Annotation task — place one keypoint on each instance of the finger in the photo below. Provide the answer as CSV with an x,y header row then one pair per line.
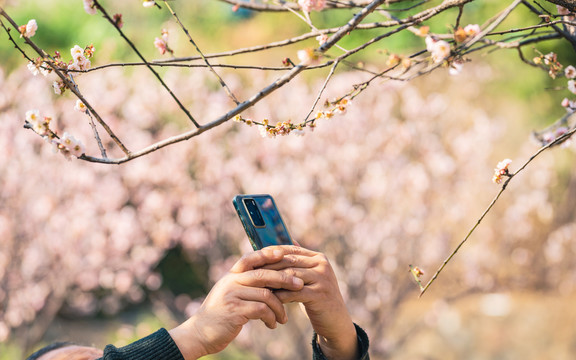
x,y
293,261
256,310
302,296
296,243
250,261
265,297
296,250
264,278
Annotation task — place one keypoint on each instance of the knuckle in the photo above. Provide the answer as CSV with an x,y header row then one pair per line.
x,y
259,274
265,294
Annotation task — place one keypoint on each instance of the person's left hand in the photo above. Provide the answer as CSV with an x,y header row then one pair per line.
x,y
322,299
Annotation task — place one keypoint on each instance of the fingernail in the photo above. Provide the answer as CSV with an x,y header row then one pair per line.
x,y
297,281
277,252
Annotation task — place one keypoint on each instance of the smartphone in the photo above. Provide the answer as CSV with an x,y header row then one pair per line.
x,y
261,220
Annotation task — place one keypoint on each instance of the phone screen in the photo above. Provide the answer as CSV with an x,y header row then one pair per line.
x,y
261,220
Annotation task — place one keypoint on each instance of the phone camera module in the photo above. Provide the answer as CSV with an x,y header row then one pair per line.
x,y
254,212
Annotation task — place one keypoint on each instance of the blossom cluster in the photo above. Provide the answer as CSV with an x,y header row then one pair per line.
x,y
501,170
440,50
570,73
161,43
309,5
551,135
80,58
549,60
67,145
338,107
80,62
39,66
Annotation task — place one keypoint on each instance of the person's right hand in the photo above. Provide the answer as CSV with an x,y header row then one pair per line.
x,y
243,294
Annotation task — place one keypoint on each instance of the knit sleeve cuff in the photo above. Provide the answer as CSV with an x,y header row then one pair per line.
x,y
158,345
363,344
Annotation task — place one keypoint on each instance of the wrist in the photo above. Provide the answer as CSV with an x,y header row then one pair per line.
x,y
187,338
342,347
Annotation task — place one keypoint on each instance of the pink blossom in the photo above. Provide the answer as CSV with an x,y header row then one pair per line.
x,y
570,72
39,125
77,52
69,145
80,106
322,38
161,45
33,68
309,5
501,170
32,116
307,56
439,49
472,29
455,67
89,7
572,86
29,29
570,105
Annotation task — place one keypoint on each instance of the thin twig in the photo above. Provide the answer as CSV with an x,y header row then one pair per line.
x,y
332,70
557,141
111,21
222,83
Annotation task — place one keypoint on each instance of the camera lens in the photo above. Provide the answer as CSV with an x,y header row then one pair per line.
x,y
254,212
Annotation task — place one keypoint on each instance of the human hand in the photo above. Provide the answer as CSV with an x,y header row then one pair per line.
x,y
243,294
321,298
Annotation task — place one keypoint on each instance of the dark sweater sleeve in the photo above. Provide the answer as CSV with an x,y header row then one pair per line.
x,y
158,345
363,345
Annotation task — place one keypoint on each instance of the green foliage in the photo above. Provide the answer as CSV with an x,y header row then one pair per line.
x,y
10,352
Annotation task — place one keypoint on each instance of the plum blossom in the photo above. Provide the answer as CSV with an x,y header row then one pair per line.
x,y
33,68
39,125
161,43
118,21
570,105
58,87
308,56
32,116
80,106
439,49
146,3
322,38
422,31
472,29
89,7
572,86
456,67
39,67
570,72
501,170
80,58
309,5
69,146
29,29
